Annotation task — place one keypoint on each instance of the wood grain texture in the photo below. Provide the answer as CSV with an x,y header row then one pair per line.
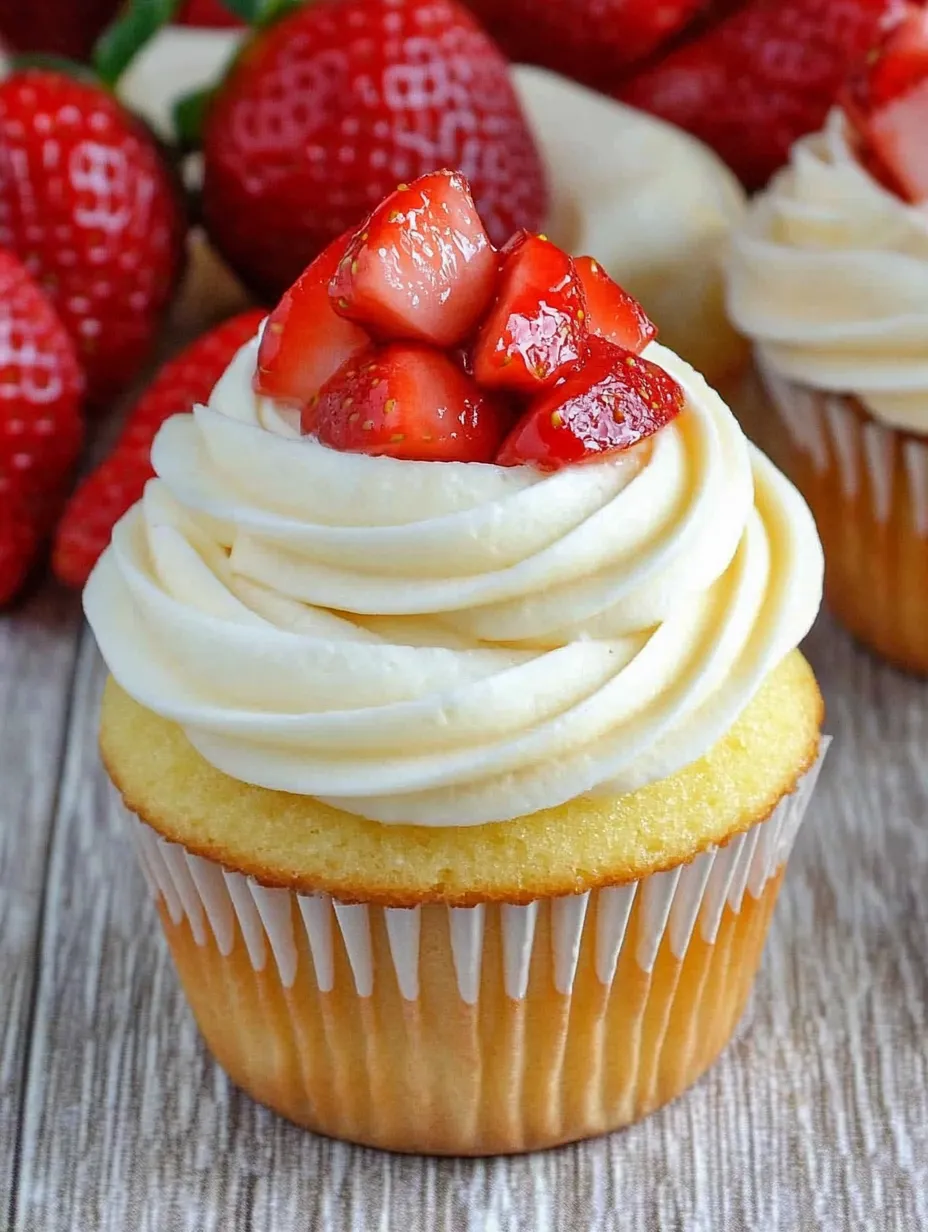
x,y
37,647
816,1117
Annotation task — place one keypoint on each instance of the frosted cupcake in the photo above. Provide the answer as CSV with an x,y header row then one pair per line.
x,y
455,695
829,277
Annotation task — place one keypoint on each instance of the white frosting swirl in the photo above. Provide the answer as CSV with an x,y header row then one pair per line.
x,y
447,643
829,276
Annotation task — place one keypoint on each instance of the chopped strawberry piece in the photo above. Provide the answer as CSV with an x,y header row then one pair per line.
x,y
406,400
898,134
614,401
892,69
886,100
421,266
305,341
535,333
612,313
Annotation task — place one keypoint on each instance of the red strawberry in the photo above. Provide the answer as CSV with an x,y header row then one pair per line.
x,y
41,385
88,205
612,313
421,266
897,136
590,40
58,27
535,331
762,78
614,401
19,550
406,400
891,69
210,13
107,493
887,100
328,109
305,341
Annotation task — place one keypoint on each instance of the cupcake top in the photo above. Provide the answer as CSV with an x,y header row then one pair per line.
x,y
829,274
449,585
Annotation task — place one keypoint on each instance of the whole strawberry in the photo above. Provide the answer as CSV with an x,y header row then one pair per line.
x,y
762,78
327,110
41,386
590,40
107,493
88,204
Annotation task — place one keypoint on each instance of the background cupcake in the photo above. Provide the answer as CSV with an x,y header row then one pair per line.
x,y
829,277
465,785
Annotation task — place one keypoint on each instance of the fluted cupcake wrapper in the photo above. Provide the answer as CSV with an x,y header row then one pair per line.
x,y
473,1029
867,485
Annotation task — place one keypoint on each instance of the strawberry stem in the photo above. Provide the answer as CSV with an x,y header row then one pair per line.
x,y
121,42
258,12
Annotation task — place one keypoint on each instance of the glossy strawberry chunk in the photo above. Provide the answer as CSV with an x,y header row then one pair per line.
x,y
406,400
895,67
421,266
305,341
612,313
887,102
535,332
610,404
898,134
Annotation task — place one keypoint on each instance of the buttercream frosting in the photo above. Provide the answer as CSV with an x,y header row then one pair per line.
x,y
829,277
448,643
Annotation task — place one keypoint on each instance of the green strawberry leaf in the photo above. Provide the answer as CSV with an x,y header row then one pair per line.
x,y
189,114
259,12
124,39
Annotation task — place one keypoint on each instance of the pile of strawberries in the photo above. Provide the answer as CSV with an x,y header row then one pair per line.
x,y
414,338
332,104
93,223
749,77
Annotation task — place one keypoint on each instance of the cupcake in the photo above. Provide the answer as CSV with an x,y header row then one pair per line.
x,y
829,278
455,699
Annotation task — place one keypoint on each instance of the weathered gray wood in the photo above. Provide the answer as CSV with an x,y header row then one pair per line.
x,y
817,1116
37,646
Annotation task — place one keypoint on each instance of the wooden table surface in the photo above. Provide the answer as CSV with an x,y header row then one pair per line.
x,y
113,1117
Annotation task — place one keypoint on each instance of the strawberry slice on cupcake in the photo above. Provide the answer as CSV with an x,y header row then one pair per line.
x,y
413,338
886,100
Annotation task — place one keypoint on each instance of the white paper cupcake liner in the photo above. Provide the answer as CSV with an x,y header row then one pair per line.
x,y
673,905
823,427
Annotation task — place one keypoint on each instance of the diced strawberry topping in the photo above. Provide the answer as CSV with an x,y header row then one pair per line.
x,y
421,266
894,68
612,313
535,332
610,404
406,400
305,341
898,133
887,101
